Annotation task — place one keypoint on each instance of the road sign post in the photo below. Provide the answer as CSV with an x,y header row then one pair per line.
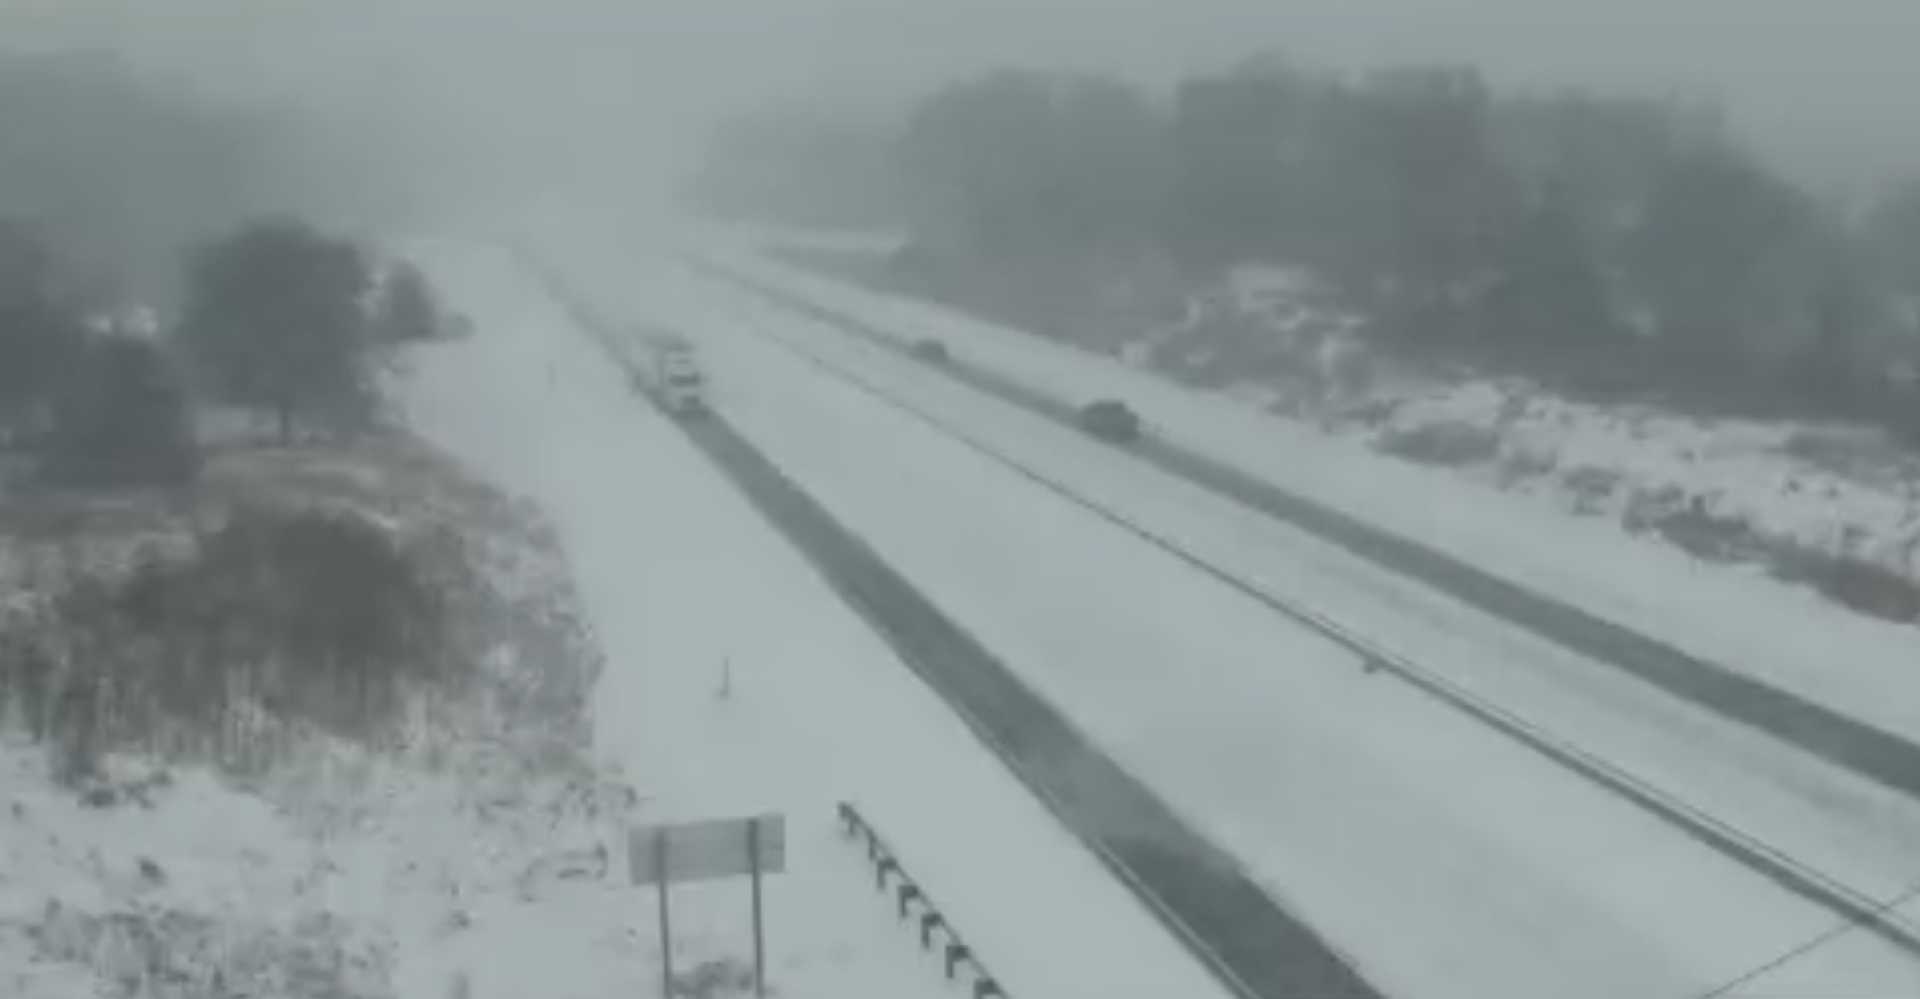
x,y
666,920
704,851
759,926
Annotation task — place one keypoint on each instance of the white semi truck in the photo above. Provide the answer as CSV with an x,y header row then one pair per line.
x,y
674,374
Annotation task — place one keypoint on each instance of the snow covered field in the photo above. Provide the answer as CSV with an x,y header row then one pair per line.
x,y
346,878
736,683
1784,636
1342,791
329,870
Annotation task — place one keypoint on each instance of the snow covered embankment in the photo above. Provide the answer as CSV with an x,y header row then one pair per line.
x,y
1834,507
262,850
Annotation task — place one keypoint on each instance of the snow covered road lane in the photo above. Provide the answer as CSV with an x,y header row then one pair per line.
x,y
1448,861
1785,637
1854,830
736,682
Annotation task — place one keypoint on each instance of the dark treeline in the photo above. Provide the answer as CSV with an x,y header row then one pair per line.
x,y
1610,242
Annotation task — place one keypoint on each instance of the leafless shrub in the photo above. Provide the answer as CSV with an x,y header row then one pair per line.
x,y
1862,586
714,979
1591,486
371,592
157,953
1855,583
279,618
1687,524
1518,464
1448,443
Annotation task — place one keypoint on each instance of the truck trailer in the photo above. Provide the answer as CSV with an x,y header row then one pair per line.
x,y
674,376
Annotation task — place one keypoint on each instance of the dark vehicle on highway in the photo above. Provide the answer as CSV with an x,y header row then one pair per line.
x,y
930,350
1110,420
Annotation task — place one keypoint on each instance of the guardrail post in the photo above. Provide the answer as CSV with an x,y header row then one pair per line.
x,y
957,952
908,894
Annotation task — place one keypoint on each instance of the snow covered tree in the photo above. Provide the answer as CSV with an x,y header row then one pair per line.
x,y
35,332
409,309
123,419
276,318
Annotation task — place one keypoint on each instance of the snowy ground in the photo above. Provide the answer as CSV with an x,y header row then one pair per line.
x,y
733,683
1450,862
94,900
736,683
329,870
346,878
1733,615
1341,791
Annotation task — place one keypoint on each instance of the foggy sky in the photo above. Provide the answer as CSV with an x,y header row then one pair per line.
x,y
1823,86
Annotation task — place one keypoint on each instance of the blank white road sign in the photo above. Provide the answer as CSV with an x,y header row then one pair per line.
x,y
700,851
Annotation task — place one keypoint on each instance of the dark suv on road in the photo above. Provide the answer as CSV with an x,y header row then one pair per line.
x,y
1110,420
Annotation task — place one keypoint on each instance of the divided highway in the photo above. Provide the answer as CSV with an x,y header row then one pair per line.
x,y
1872,914
1178,631
1847,742
1212,757
1253,946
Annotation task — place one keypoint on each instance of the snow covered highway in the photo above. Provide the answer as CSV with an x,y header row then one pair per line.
x,y
1253,946
1893,759
1723,837
736,681
1443,855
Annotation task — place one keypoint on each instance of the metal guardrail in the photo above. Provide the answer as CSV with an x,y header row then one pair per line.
x,y
913,901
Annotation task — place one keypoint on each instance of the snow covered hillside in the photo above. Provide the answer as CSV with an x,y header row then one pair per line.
x,y
255,854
